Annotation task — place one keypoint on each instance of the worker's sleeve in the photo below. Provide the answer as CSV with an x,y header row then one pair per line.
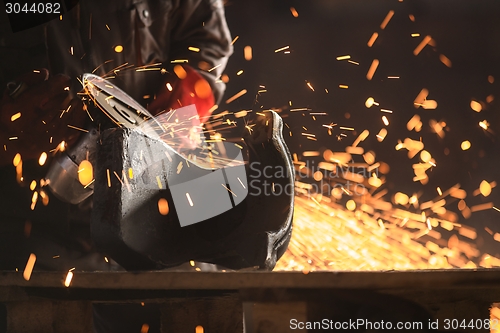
x,y
201,36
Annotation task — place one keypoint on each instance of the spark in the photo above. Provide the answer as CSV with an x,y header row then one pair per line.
x,y
109,178
69,278
150,69
239,72
351,205
229,190
43,158
428,223
118,49
118,177
65,111
180,72
373,68
194,49
393,77
241,114
361,138
346,57
422,44
189,199
353,62
213,108
241,182
179,61
484,124
78,128
415,35
215,67
163,207
465,145
385,120
236,96
372,39
381,135
419,100
15,116
343,86
385,110
370,102
282,49
485,188
386,20
104,63
247,51
445,60
346,128
476,106
481,207
310,86
294,12
234,40
29,267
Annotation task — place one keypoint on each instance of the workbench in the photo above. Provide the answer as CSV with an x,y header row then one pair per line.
x,y
229,302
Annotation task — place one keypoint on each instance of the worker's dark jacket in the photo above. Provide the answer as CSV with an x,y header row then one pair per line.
x,y
84,41
149,32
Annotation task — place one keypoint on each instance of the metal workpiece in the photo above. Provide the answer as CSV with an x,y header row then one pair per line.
x,y
153,208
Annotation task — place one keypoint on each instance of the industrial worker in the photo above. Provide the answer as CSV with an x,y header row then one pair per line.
x,y
139,42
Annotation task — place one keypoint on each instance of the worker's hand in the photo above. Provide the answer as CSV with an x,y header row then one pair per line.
x,y
184,88
35,119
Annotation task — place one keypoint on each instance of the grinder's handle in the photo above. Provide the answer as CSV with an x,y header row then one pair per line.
x,y
63,172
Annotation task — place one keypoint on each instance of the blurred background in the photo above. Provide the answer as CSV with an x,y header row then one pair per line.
x,y
317,55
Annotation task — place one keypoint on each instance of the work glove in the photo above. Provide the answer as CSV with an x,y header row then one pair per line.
x,y
183,89
187,87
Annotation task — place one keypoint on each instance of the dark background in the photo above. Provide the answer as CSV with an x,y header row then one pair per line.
x,y
467,32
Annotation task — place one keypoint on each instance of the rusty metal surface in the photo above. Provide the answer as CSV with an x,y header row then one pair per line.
x,y
160,280
437,294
